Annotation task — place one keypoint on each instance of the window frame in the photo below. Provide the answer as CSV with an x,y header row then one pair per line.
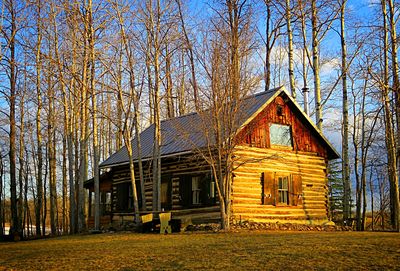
x,y
290,139
283,193
203,195
196,191
270,189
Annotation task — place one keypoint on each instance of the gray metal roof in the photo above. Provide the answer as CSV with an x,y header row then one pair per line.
x,y
187,133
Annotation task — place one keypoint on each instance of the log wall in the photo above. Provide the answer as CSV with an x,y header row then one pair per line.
x,y
174,168
251,162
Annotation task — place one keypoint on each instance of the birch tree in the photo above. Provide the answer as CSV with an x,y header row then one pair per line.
x,y
38,66
290,48
10,35
126,108
345,122
389,131
229,83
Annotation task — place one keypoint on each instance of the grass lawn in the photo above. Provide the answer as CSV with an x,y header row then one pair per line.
x,y
230,251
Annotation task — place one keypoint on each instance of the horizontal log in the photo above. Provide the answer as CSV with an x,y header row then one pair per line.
x,y
264,152
293,165
301,220
282,216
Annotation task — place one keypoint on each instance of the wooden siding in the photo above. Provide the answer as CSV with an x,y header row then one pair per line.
x,y
247,188
256,133
174,168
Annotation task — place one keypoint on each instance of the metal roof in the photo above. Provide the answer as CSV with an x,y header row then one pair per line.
x,y
187,133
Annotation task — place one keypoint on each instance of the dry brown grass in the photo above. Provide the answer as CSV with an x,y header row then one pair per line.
x,y
229,251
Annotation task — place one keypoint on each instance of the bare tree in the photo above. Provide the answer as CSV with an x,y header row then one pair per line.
x,y
290,47
345,122
9,33
273,25
84,124
229,83
189,47
395,204
389,132
131,99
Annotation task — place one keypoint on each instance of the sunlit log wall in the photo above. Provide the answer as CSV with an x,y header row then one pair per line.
x,y
247,189
254,156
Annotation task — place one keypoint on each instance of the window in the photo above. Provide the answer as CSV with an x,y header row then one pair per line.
x,y
130,197
105,202
124,197
92,203
196,190
280,135
108,202
281,189
166,192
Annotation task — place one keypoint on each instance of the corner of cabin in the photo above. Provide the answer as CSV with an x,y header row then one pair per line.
x,y
280,168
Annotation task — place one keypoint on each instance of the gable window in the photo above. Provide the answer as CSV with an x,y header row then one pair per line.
x,y
280,135
281,189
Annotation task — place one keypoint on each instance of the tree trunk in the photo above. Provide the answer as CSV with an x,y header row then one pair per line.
x,y
315,54
345,124
168,91
371,189
132,175
157,121
15,230
395,204
83,141
1,197
389,133
96,148
290,49
133,98
267,68
189,48
140,163
52,152
69,113
181,89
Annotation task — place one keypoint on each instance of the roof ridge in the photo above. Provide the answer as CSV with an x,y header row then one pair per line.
x,y
244,98
257,94
181,116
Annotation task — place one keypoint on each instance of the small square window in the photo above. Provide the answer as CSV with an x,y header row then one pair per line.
x,y
280,135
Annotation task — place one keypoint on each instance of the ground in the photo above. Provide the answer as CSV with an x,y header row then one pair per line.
x,y
267,250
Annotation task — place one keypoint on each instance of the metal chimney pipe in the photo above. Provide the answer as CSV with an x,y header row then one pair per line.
x,y
305,95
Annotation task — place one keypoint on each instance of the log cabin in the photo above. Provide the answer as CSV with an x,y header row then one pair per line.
x,y
280,168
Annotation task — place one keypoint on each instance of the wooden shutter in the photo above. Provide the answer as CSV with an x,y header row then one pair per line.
x,y
269,188
297,190
185,190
